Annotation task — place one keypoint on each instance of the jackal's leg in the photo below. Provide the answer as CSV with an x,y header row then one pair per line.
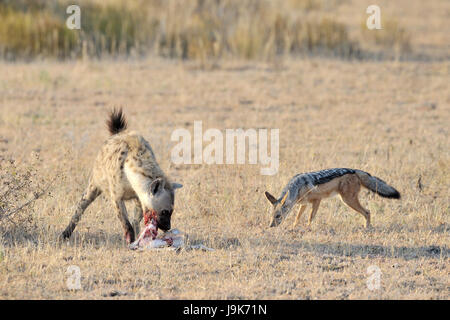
x,y
89,195
119,205
315,207
352,201
299,214
137,216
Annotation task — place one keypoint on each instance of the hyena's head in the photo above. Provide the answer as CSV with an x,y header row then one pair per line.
x,y
280,210
162,201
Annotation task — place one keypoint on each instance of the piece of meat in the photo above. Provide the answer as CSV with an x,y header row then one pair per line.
x,y
148,236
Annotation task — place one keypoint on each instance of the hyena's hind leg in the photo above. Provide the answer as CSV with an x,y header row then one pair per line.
x,y
138,214
89,195
119,205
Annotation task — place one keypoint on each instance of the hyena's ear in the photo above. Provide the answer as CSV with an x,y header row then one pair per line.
x,y
157,185
284,198
271,198
176,186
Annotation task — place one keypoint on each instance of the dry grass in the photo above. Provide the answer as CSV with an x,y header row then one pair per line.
x,y
202,30
390,119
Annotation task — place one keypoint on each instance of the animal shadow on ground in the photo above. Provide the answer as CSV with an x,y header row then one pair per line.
x,y
38,237
103,239
371,251
97,239
10,238
214,242
396,228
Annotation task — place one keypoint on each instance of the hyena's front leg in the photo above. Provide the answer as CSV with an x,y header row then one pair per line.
x,y
137,218
119,205
89,195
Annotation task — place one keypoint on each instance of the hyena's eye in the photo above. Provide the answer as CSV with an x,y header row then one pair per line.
x,y
278,216
165,213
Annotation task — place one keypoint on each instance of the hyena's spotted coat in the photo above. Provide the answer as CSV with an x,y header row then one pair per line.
x,y
126,169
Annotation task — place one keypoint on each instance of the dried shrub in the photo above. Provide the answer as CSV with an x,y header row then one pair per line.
x,y
20,187
198,29
34,33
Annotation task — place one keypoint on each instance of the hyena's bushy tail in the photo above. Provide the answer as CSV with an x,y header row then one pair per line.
x,y
116,121
377,185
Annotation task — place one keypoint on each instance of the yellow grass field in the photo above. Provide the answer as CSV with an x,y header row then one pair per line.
x,y
388,118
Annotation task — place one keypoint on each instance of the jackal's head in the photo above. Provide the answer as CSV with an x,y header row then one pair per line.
x,y
279,211
162,201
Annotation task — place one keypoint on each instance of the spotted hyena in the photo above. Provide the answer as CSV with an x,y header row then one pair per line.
x,y
126,169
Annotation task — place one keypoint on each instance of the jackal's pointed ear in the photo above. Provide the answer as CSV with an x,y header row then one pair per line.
x,y
176,186
271,198
156,185
284,198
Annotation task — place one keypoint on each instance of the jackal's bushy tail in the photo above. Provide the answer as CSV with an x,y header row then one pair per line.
x,y
377,185
116,121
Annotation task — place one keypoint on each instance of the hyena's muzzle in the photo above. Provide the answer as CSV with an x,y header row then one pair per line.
x,y
163,218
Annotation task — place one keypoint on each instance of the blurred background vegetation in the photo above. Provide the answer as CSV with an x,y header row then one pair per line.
x,y
193,29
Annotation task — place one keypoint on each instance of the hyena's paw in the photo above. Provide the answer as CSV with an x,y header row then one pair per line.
x,y
65,235
129,236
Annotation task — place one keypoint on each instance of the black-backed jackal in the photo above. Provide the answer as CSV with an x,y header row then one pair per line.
x,y
126,169
312,187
